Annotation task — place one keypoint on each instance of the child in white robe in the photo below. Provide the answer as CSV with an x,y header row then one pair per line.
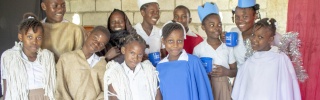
x,y
268,74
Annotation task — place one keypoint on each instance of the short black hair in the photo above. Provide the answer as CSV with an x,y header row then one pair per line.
x,y
205,18
167,29
101,29
183,7
268,23
30,20
145,6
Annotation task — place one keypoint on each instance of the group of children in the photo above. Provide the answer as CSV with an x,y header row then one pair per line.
x,y
111,63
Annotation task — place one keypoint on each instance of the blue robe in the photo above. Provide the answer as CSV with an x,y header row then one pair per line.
x,y
184,80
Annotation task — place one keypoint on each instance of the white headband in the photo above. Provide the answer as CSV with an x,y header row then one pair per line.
x,y
184,31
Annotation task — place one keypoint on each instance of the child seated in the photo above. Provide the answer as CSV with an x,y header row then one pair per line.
x,y
223,59
80,72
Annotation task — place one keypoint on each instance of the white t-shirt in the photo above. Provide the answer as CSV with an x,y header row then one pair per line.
x,y
223,55
138,82
35,73
154,40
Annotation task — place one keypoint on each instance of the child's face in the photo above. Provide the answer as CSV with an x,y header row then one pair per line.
x,y
31,40
133,53
244,18
174,43
212,26
182,16
54,9
117,21
96,41
261,39
151,14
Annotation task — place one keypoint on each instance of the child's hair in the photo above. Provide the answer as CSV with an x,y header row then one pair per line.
x,y
118,37
266,23
29,21
145,6
168,28
255,8
134,37
183,7
205,18
101,29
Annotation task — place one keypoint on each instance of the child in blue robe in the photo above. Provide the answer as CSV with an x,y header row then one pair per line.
x,y
182,76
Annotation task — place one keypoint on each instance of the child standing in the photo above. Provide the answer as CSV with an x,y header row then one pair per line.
x,y
80,72
149,10
182,76
182,15
223,58
60,35
133,79
268,74
27,71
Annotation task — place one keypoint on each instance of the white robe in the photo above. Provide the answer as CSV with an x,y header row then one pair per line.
x,y
240,49
267,75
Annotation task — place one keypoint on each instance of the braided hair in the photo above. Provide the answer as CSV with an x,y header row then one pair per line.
x,y
268,23
134,37
30,20
167,29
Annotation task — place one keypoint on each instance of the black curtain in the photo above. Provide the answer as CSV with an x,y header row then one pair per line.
x,y
11,12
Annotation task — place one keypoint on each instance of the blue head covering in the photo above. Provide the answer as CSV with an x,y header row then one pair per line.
x,y
207,9
246,3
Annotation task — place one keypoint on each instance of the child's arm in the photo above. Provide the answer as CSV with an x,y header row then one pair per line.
x,y
159,95
111,90
111,53
62,90
223,71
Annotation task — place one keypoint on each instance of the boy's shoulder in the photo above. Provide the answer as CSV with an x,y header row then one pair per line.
x,y
71,54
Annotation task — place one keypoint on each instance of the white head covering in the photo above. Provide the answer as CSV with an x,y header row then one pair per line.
x,y
142,2
184,31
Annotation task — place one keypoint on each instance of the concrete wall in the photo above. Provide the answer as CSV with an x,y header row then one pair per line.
x,y
96,12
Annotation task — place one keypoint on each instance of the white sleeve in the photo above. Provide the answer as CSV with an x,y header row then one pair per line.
x,y
3,75
196,51
231,57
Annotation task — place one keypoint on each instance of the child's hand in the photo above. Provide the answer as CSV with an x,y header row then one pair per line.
x,y
219,71
112,52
